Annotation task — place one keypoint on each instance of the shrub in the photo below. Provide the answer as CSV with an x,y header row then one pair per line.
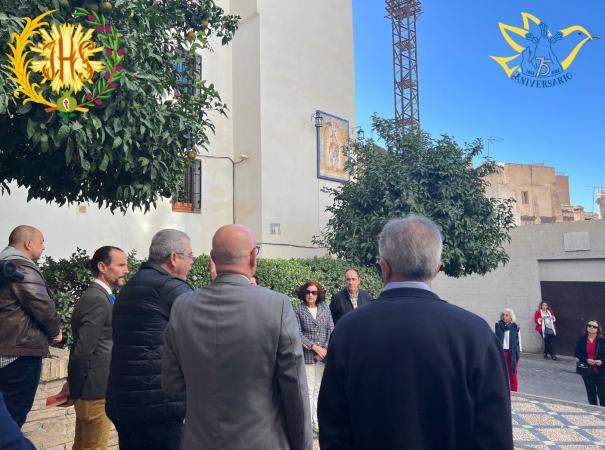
x,y
68,278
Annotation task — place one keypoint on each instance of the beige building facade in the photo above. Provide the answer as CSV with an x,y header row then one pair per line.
x,y
541,195
287,60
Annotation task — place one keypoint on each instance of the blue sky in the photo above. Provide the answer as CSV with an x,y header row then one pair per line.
x,y
467,95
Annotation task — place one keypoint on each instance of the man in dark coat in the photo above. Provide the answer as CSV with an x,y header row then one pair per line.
x,y
410,370
90,353
349,298
28,320
145,417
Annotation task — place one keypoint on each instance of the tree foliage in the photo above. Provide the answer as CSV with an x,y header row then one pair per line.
x,y
420,175
130,150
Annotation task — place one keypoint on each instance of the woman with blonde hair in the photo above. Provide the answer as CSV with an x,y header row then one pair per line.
x,y
509,335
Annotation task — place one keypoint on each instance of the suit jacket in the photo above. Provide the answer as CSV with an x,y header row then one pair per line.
x,y
411,371
235,349
341,303
90,354
314,330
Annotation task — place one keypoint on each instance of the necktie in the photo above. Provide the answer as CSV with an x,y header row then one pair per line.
x,y
113,298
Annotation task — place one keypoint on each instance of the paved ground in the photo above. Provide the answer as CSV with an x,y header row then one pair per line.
x,y
553,379
551,411
543,424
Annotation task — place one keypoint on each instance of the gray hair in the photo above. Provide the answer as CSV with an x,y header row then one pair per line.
x,y
412,245
165,242
510,312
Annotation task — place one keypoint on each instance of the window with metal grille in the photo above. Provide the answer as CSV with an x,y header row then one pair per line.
x,y
184,84
525,197
189,198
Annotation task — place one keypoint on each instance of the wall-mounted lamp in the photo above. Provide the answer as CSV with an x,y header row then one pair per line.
x,y
359,133
319,119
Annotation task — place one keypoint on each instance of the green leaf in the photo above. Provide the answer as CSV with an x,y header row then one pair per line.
x,y
69,150
63,133
96,122
44,143
104,163
117,142
31,128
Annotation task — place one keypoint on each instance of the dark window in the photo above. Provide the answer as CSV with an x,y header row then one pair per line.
x,y
190,195
525,197
184,83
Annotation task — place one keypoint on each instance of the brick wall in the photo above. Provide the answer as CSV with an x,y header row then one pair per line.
x,y
53,428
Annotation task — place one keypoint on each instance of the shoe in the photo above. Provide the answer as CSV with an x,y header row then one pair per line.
x,y
545,356
554,358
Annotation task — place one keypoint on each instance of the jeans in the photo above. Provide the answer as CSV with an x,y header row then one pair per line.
x,y
595,387
549,348
153,436
19,382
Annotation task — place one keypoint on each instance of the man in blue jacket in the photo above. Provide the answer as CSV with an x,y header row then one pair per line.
x,y
409,370
145,417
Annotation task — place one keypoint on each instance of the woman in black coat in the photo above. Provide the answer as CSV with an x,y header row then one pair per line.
x,y
590,350
509,335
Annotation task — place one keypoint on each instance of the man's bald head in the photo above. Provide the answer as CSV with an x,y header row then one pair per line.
x,y
21,234
234,250
28,240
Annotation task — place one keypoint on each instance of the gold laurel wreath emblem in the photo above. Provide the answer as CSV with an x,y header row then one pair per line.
x,y
21,66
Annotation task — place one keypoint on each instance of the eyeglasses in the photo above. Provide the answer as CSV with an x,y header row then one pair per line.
x,y
310,292
592,326
256,249
188,255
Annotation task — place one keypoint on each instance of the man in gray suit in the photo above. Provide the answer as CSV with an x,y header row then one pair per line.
x,y
236,350
90,354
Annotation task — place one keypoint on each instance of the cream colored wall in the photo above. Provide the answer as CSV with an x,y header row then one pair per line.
x,y
307,64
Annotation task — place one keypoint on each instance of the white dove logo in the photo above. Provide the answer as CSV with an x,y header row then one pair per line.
x,y
536,63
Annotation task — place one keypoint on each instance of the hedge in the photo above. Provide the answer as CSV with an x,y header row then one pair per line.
x,y
67,278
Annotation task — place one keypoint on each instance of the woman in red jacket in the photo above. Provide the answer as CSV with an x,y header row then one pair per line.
x,y
545,325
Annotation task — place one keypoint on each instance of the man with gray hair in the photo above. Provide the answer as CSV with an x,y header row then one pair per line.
x,y
145,417
409,370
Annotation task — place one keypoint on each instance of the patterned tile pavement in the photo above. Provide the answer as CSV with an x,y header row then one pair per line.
x,y
542,423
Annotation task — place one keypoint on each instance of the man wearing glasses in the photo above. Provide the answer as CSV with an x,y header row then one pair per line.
x,y
236,350
145,417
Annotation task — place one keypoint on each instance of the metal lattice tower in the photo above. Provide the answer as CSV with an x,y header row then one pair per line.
x,y
403,15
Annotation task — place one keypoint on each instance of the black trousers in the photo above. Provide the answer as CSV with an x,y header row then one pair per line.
x,y
152,436
549,348
19,382
595,388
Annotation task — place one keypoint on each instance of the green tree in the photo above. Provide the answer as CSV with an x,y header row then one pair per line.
x,y
149,113
420,175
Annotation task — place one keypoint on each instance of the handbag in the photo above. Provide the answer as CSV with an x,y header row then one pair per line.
x,y
583,369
